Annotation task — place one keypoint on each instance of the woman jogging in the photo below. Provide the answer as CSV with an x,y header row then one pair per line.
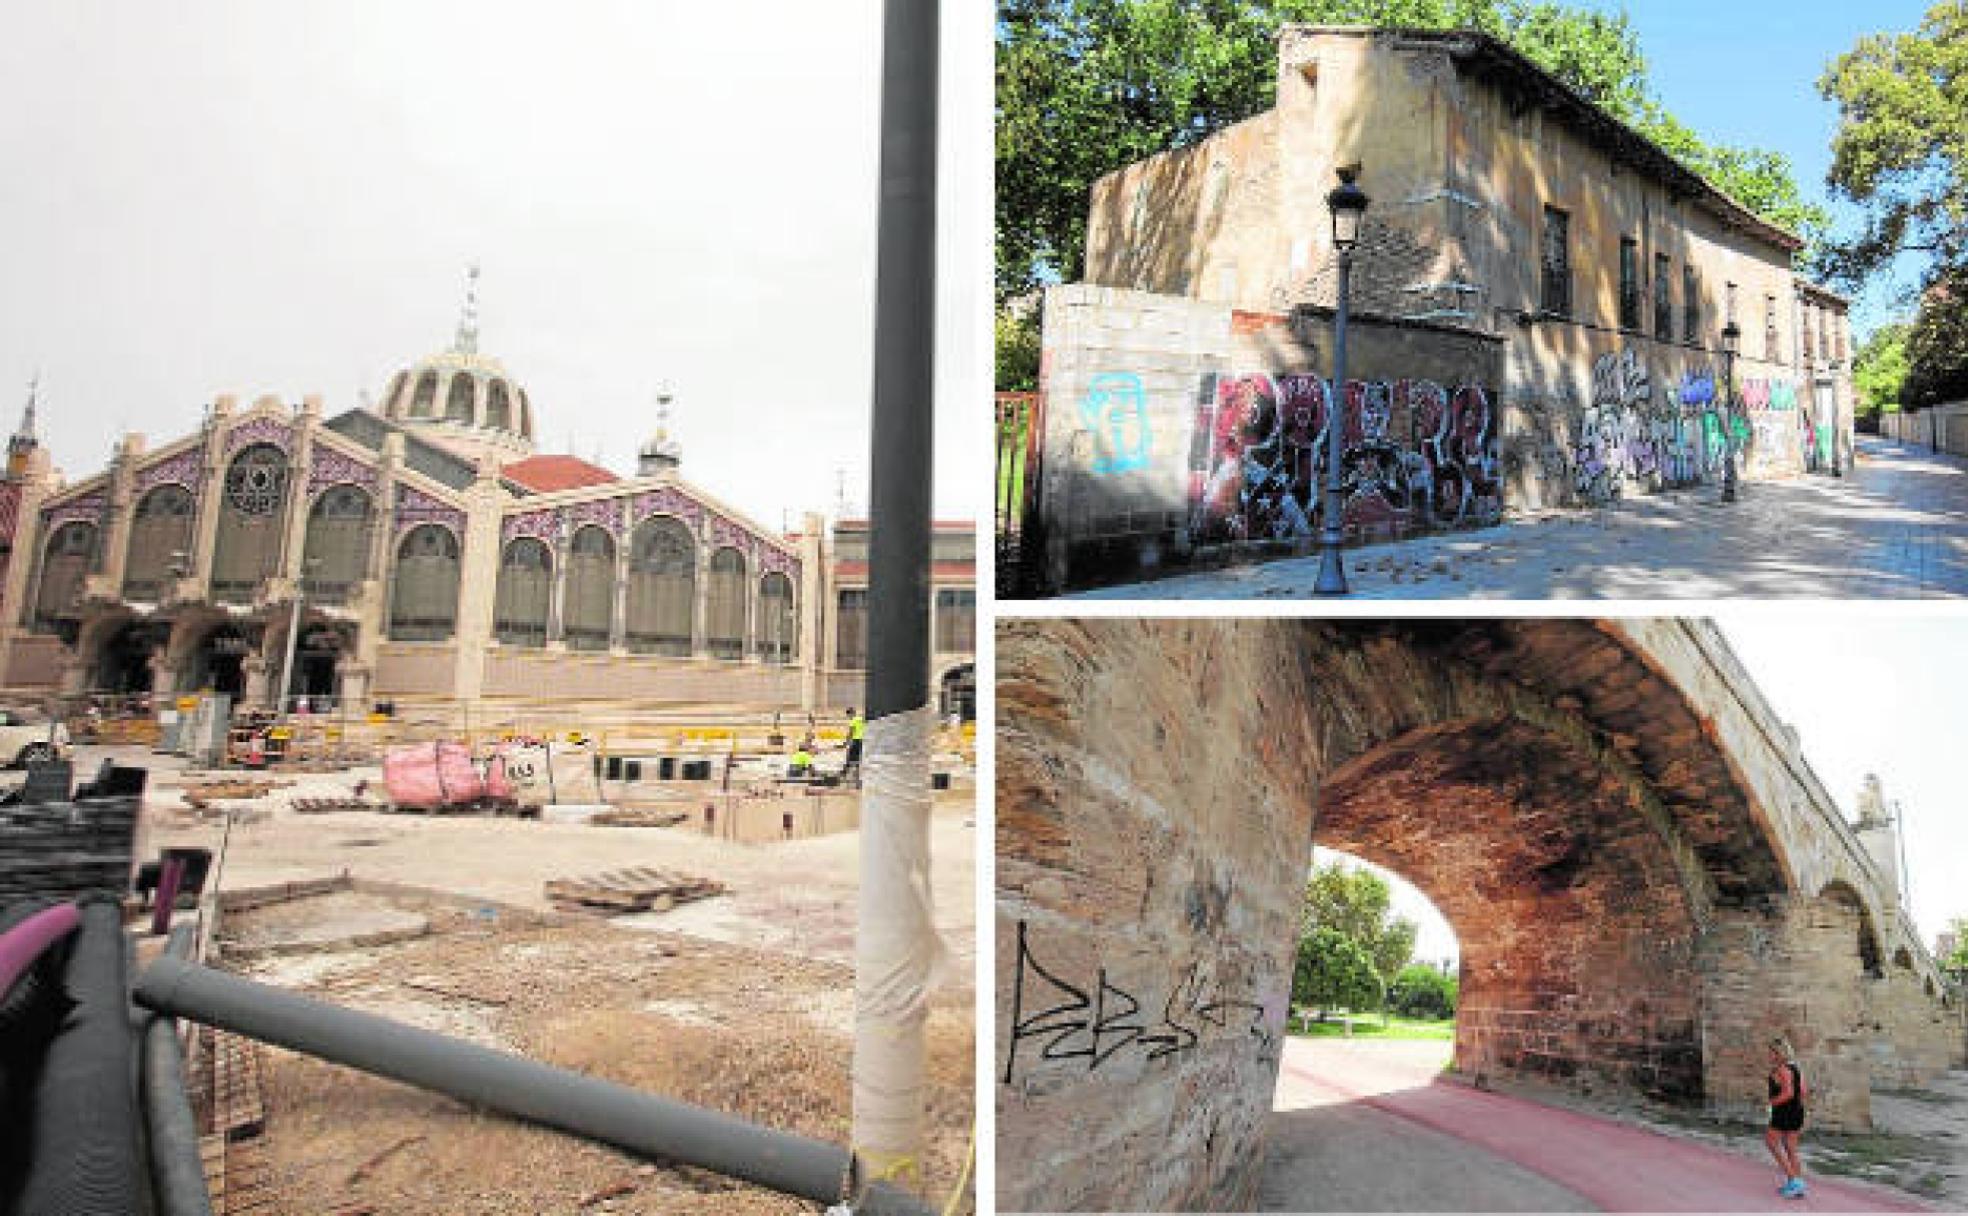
x,y
1786,1116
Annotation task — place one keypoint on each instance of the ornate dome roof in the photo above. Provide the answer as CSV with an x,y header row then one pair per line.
x,y
460,394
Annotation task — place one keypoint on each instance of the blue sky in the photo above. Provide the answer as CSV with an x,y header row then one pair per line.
x,y
1746,72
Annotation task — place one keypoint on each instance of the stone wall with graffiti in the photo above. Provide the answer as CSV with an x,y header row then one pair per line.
x,y
1636,423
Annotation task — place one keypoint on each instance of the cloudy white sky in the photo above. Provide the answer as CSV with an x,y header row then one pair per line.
x,y
270,197
1868,693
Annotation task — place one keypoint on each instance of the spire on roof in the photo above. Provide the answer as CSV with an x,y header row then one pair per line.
x,y
24,439
467,340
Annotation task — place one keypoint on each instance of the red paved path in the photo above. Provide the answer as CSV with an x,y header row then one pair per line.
x,y
1618,1168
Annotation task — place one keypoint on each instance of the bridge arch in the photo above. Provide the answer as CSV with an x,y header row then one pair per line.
x,y
1622,885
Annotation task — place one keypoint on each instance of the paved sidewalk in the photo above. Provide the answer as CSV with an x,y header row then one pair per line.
x,y
1897,529
1493,1142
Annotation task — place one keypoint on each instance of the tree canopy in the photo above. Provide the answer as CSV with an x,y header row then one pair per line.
x,y
1087,86
1879,369
1332,972
1937,343
1356,904
1901,148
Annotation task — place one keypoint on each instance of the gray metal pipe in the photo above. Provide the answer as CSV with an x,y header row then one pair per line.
x,y
177,1175
643,1124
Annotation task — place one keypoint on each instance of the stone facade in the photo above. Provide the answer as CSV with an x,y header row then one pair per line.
x,y
1646,881
436,571
1186,382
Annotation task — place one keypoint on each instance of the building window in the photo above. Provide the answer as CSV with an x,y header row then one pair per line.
x,y
778,626
65,563
1823,344
160,534
422,401
1690,304
459,400
1555,296
956,621
524,593
1810,349
1770,328
662,594
336,551
1663,297
425,606
589,609
725,605
247,548
1729,308
851,630
1629,283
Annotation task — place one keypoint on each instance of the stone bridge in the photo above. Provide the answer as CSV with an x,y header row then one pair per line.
x,y
1646,879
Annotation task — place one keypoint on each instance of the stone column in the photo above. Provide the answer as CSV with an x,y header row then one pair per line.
x,y
163,675
618,617
478,580
557,607
299,462
700,620
812,589
113,551
257,669
211,495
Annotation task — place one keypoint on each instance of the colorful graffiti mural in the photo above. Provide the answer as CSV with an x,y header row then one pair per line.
x,y
1413,455
1115,411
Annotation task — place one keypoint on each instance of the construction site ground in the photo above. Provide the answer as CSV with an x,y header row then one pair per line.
x,y
742,1002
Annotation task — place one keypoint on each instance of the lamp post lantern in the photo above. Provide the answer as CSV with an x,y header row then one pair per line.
x,y
1348,204
1731,342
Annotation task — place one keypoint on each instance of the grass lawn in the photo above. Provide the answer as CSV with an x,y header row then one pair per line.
x,y
1368,1026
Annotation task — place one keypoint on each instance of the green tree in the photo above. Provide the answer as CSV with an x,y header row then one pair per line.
x,y
1901,148
1420,991
1957,963
1879,369
1017,326
1332,972
1937,345
1087,86
1357,903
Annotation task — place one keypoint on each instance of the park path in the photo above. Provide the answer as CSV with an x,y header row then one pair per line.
x,y
1478,1151
1897,527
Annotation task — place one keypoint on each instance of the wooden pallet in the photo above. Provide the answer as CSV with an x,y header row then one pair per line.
x,y
632,817
324,806
618,892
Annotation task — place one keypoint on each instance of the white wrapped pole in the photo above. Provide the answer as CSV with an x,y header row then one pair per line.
x,y
895,945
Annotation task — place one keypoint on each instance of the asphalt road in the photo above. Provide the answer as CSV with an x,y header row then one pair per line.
x,y
1367,1126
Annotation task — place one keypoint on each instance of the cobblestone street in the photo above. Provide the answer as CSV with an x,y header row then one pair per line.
x,y
1898,529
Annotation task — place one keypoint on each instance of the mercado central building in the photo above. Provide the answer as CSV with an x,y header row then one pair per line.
x,y
439,560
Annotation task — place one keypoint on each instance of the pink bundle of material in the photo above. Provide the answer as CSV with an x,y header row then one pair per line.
x,y
432,775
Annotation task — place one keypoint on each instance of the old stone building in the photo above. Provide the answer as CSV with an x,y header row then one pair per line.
x,y
440,559
1538,300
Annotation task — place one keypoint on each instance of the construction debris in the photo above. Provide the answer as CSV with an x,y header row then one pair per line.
x,y
325,806
638,817
618,892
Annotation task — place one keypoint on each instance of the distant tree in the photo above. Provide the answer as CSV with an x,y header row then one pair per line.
x,y
1017,326
1937,345
1901,148
1880,369
1332,972
1420,991
1357,903
1087,86
1957,963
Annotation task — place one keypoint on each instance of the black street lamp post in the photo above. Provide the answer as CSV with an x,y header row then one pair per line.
x,y
1348,203
1731,341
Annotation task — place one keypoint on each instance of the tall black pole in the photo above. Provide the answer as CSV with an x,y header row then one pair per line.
x,y
1728,426
1332,568
896,945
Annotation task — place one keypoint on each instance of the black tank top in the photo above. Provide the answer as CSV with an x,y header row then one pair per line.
x,y
1796,1089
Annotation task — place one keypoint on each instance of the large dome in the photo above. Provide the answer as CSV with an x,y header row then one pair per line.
x,y
463,399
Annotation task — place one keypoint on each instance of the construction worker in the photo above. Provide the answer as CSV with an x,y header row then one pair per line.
x,y
802,762
857,727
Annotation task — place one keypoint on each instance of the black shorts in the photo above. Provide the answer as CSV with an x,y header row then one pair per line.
x,y
1787,1118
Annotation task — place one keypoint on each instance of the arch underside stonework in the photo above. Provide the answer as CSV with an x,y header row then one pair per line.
x,y
1624,907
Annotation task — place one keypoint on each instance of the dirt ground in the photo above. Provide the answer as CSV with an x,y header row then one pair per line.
x,y
742,1003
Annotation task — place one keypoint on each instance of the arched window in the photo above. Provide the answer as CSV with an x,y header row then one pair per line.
x,y
525,415
425,606
64,564
725,631
662,593
588,612
336,555
160,534
393,400
248,546
425,401
778,630
498,406
458,401
519,615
